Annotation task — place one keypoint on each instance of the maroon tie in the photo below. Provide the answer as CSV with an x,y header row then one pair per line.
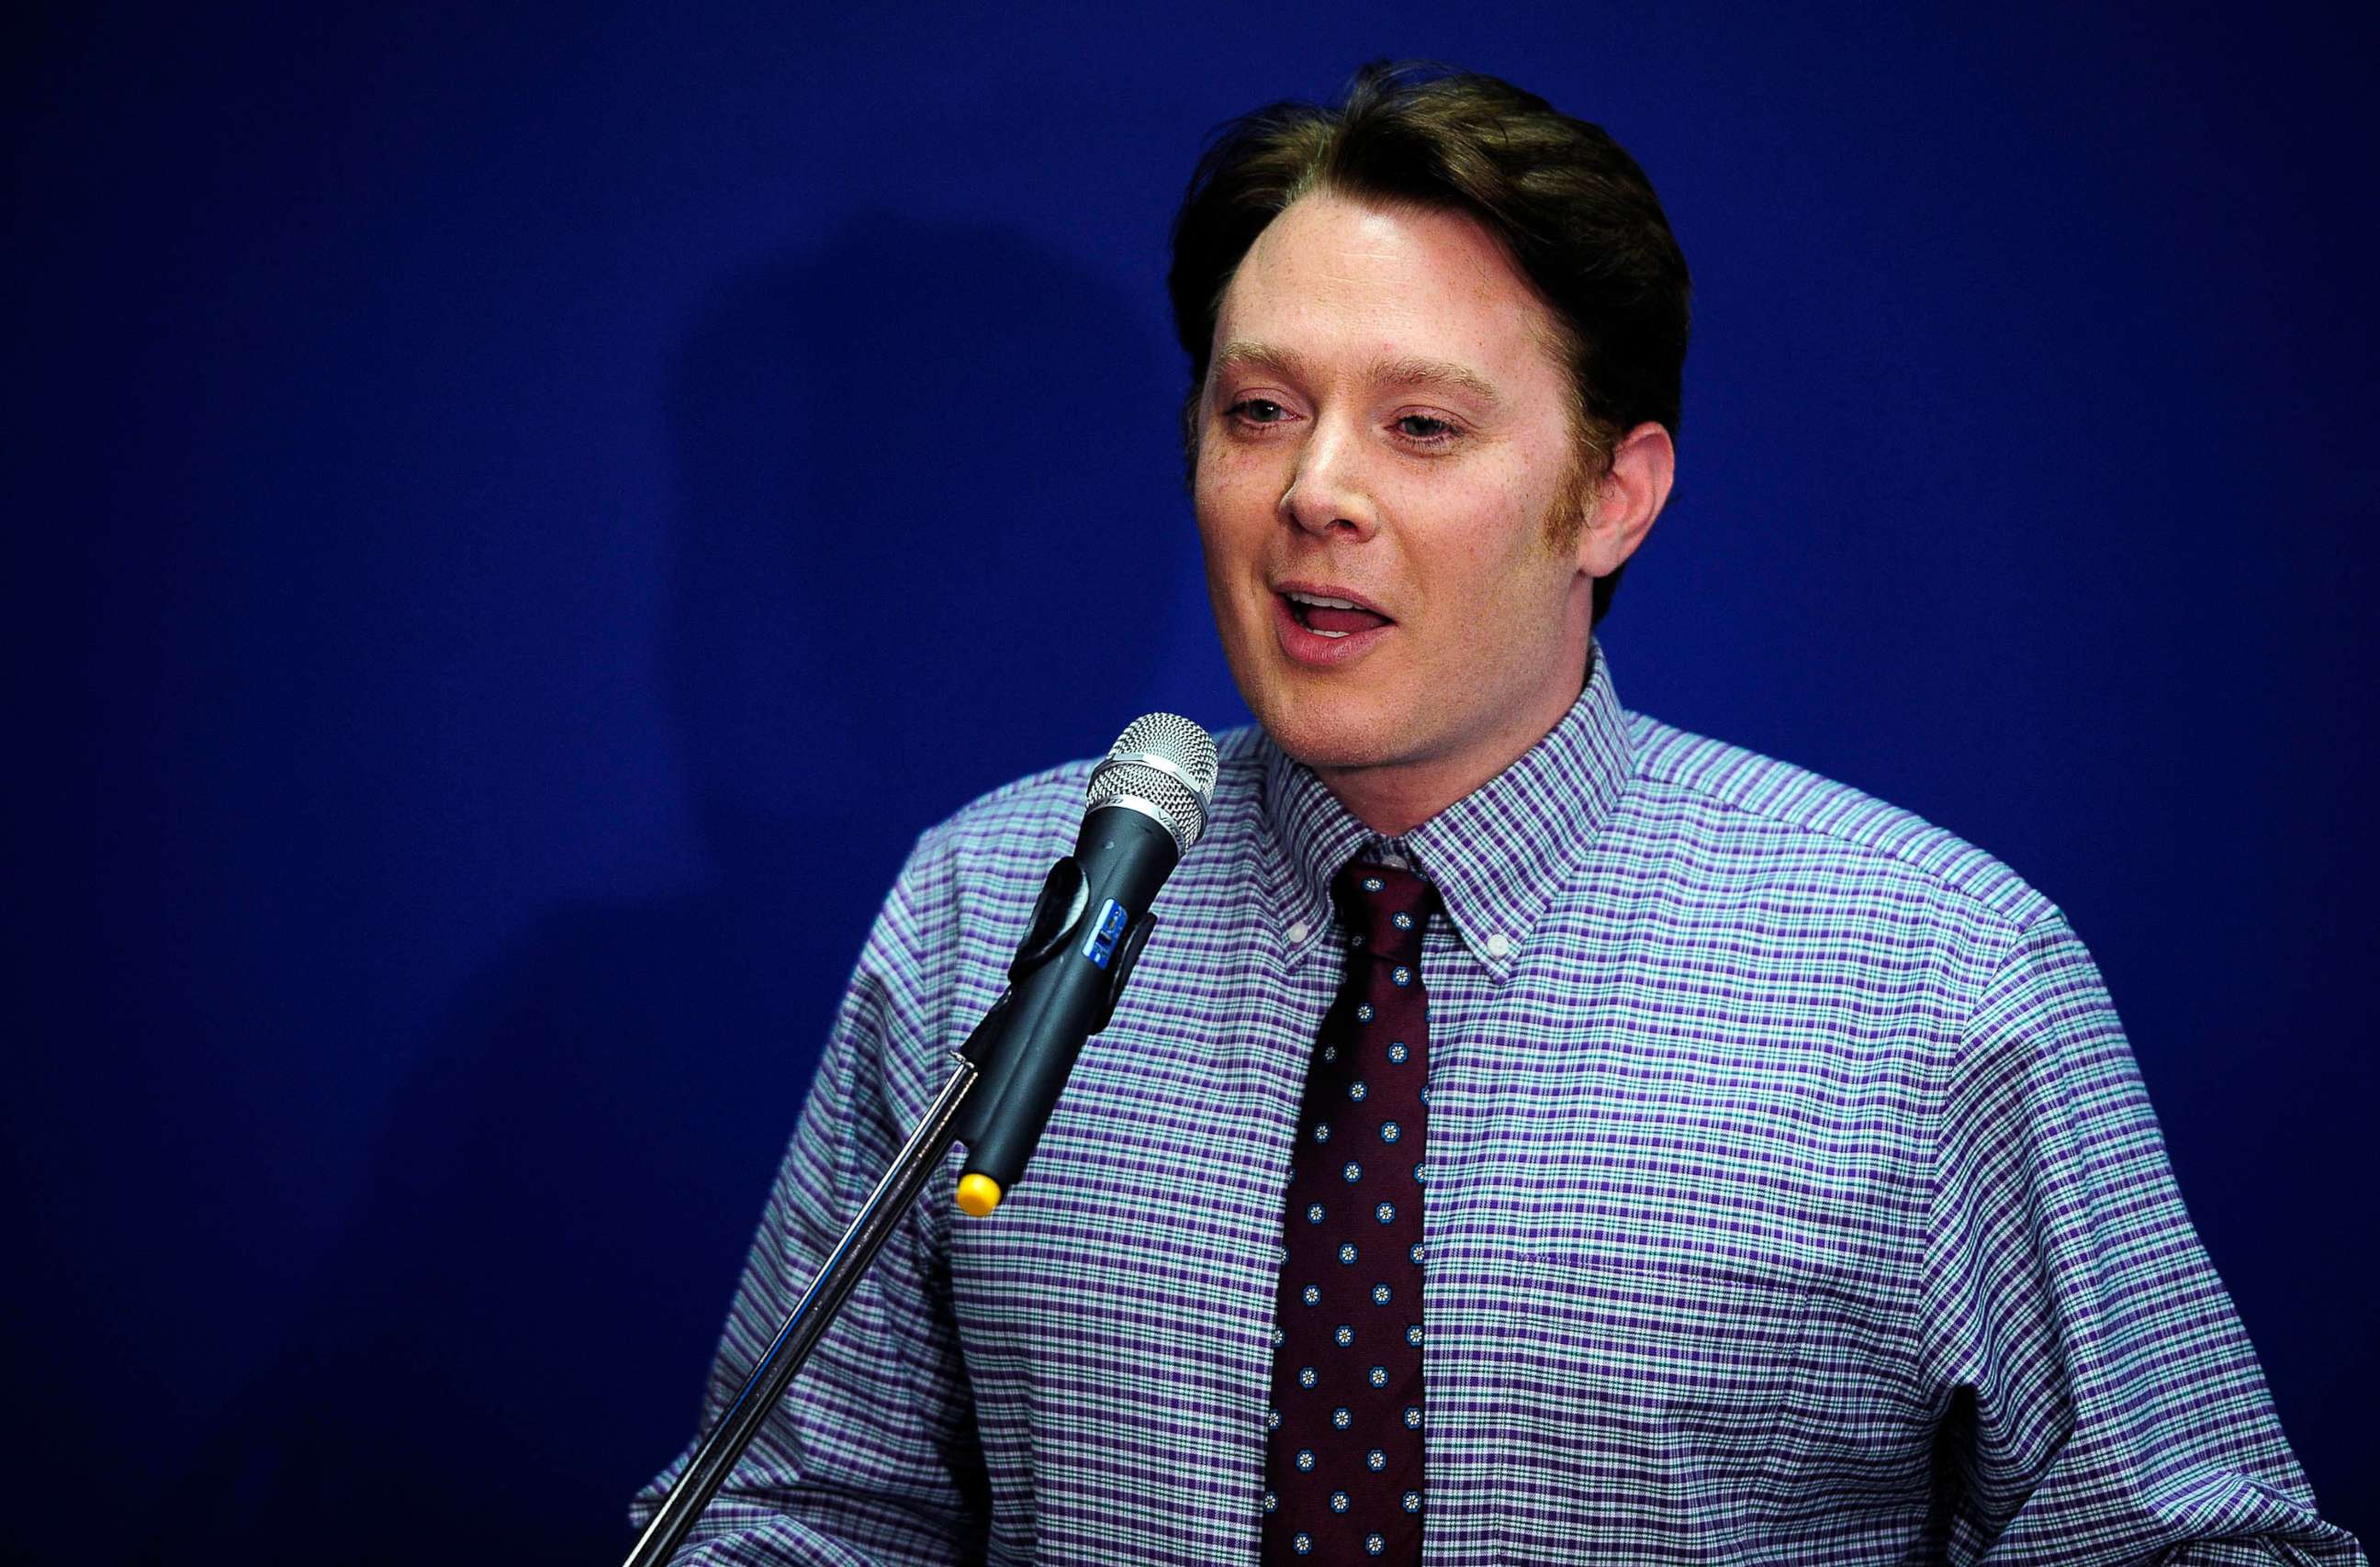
x,y
1343,1461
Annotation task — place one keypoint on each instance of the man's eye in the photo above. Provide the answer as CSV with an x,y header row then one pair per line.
x,y
1425,429
1257,410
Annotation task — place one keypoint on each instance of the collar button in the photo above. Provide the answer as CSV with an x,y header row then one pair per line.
x,y
1499,945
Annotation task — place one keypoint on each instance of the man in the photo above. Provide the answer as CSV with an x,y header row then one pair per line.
x,y
1534,1130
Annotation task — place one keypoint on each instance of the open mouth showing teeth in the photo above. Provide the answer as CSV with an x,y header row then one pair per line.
x,y
1332,617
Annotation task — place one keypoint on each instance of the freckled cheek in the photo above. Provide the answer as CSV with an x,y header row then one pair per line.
x,y
1465,547
1234,514
1231,549
1481,573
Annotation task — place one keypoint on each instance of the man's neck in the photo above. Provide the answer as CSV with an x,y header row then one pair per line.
x,y
1392,801
1393,798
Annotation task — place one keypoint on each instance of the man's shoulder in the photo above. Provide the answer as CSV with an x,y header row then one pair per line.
x,y
1766,811
1035,818
1765,818
1019,814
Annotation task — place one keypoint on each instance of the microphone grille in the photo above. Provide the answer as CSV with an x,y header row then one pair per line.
x,y
1163,762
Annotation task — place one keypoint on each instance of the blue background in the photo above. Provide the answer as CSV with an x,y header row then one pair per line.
x,y
517,515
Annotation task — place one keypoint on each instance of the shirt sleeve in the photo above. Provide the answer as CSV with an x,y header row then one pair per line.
x,y
871,1457
2100,1401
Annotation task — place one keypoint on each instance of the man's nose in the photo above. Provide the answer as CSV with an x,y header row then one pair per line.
x,y
1330,490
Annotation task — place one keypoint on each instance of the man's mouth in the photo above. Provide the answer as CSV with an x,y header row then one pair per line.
x,y
1327,616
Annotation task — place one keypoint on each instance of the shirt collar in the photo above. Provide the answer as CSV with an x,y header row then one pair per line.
x,y
1496,856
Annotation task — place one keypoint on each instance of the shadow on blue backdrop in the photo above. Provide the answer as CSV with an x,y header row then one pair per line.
x,y
543,1259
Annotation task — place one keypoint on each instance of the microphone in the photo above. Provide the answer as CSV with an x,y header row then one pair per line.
x,y
1145,806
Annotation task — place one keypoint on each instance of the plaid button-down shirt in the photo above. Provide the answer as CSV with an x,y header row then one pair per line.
x,y
1794,1198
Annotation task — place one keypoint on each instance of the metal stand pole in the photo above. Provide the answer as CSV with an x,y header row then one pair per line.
x,y
810,1317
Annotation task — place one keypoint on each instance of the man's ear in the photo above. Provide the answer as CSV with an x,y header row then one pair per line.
x,y
1626,499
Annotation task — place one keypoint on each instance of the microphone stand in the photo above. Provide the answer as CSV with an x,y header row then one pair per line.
x,y
1119,860
917,1160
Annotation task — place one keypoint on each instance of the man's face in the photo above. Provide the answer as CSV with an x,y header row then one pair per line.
x,y
1386,423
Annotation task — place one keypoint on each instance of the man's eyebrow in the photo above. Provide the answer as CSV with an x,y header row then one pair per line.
x,y
1240,353
1407,371
1411,370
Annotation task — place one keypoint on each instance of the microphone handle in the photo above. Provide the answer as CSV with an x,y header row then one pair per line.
x,y
1088,927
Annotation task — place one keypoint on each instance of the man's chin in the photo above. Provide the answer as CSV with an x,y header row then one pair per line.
x,y
1331,738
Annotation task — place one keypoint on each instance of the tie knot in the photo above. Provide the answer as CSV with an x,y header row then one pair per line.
x,y
1387,909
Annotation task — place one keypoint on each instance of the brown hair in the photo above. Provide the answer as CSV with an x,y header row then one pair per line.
x,y
1567,202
